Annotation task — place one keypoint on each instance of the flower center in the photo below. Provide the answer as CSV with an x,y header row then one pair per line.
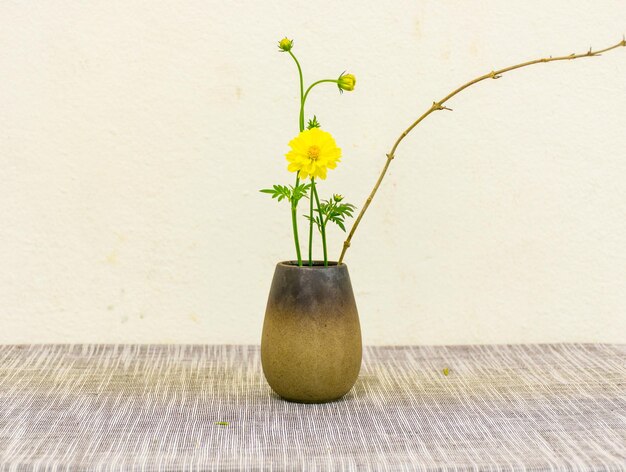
x,y
314,152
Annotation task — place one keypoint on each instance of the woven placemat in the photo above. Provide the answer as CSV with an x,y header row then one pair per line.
x,y
157,407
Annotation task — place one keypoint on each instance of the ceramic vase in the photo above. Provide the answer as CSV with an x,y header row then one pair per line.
x,y
311,343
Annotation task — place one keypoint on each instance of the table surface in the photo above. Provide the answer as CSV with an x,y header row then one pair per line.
x,y
174,407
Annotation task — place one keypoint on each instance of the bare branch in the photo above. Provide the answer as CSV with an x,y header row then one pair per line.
x,y
436,106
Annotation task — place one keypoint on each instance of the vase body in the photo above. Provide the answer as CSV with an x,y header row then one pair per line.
x,y
311,342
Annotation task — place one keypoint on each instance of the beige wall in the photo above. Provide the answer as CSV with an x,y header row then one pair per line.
x,y
134,137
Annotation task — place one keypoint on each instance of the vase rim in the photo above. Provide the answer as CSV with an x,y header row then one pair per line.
x,y
305,265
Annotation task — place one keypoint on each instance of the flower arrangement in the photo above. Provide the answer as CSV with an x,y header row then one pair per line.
x,y
314,151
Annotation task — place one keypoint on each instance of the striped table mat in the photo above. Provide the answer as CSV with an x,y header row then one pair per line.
x,y
159,407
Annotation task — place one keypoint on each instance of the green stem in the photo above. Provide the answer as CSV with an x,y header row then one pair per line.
x,y
303,96
294,224
306,94
301,119
322,224
330,209
311,226
294,205
314,191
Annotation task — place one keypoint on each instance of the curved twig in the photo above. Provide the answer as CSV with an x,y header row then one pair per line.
x,y
436,106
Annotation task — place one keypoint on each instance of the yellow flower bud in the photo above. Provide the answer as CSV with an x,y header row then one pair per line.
x,y
346,82
337,197
285,44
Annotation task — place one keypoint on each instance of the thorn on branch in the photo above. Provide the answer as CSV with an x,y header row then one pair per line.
x,y
439,106
493,75
390,156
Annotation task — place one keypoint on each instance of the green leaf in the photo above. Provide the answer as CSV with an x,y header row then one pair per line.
x,y
315,220
313,123
280,192
300,192
336,212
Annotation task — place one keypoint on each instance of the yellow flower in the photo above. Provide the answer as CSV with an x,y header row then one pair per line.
x,y
313,151
346,82
285,44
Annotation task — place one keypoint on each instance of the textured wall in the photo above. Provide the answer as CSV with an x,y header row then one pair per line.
x,y
134,136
